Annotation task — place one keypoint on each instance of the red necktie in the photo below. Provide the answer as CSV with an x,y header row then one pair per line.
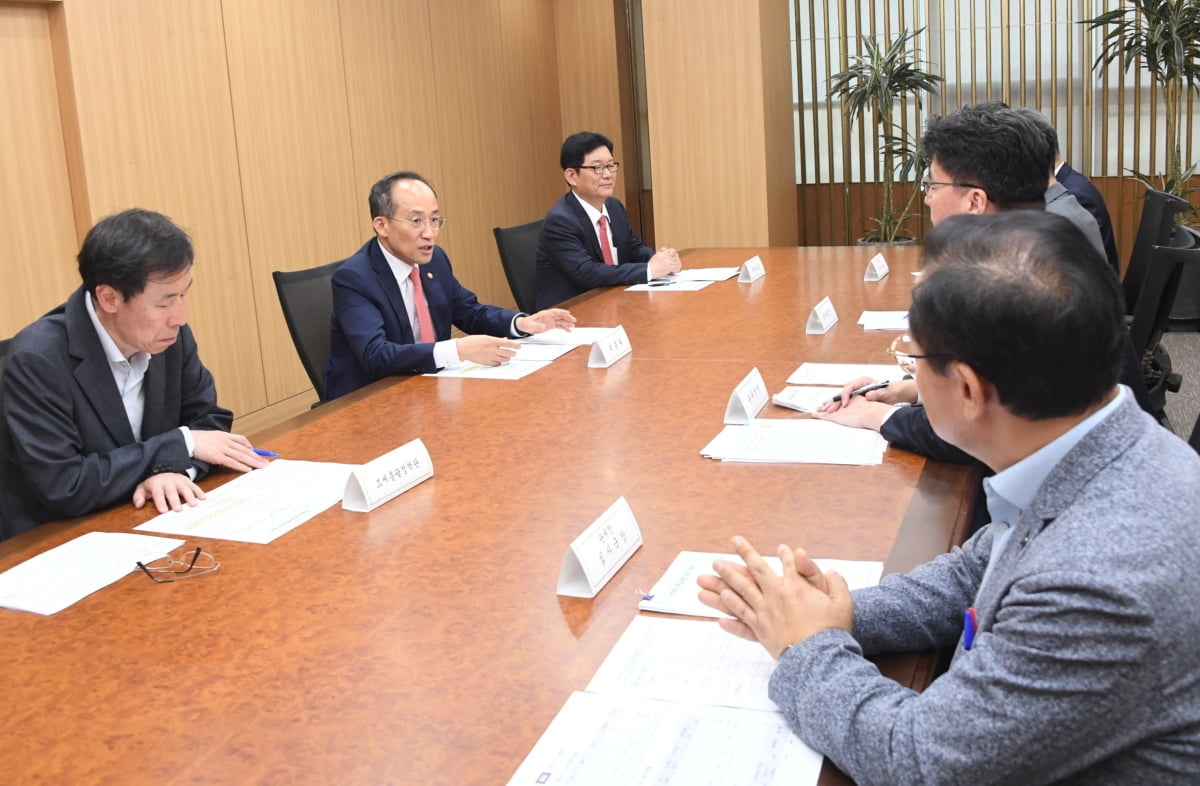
x,y
605,250
424,322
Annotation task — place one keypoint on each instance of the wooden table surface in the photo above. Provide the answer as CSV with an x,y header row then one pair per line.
x,y
423,643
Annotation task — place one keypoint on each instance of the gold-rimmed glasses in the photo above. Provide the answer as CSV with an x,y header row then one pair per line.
x,y
901,350
164,568
435,223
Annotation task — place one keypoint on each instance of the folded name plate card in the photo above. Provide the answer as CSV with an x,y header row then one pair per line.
x,y
387,477
748,399
609,348
822,317
596,555
752,270
877,268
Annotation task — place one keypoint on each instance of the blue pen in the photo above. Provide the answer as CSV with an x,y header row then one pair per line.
x,y
970,626
266,453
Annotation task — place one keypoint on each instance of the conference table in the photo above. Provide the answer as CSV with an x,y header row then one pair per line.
x,y
424,642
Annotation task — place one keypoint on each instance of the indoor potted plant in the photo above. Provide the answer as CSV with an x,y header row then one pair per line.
x,y
877,81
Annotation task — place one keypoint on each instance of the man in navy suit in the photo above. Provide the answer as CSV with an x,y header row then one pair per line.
x,y
105,397
395,299
587,241
1092,201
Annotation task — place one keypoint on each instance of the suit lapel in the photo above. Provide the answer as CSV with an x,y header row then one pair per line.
x,y
154,394
585,223
93,372
390,289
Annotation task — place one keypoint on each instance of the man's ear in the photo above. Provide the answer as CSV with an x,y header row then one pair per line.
x,y
380,225
571,176
107,299
976,394
978,202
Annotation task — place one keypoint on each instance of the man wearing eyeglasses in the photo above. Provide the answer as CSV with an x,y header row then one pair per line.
x,y
1075,645
395,300
986,158
105,399
587,241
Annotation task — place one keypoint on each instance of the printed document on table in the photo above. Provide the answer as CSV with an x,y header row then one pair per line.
x,y
841,373
667,285
804,399
55,579
259,506
703,274
677,592
513,369
542,352
686,661
575,337
797,441
600,740
884,320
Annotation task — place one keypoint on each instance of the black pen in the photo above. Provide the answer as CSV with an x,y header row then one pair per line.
x,y
863,389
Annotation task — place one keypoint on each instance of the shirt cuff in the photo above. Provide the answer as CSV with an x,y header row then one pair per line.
x,y
512,327
445,353
190,441
888,414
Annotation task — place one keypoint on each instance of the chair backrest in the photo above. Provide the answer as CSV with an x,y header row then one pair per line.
x,y
1154,229
1164,269
4,345
1194,440
518,253
307,301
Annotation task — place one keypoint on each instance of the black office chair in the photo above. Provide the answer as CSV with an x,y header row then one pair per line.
x,y
1163,271
307,302
1185,314
1194,440
1154,229
518,253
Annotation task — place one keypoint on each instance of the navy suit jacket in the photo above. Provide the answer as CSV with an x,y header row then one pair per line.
x,y
569,261
370,336
1090,198
66,447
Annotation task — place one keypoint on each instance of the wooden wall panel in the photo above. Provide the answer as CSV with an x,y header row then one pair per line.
x,y
38,241
156,131
289,105
778,125
711,140
489,176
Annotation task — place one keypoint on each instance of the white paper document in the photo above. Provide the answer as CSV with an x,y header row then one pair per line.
x,y
677,592
841,373
55,579
798,441
686,661
600,740
804,399
259,506
703,274
575,337
542,352
513,369
884,320
668,285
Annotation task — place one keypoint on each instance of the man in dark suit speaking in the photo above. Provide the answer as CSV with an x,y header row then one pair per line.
x,y
395,299
587,241
105,398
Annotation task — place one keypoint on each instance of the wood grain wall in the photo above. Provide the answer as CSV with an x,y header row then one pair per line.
x,y
259,127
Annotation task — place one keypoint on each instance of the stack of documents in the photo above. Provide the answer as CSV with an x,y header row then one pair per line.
x,y
797,441
884,320
804,399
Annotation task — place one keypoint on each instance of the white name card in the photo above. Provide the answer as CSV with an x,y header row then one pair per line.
x,y
596,555
387,477
748,399
609,348
877,268
752,270
822,317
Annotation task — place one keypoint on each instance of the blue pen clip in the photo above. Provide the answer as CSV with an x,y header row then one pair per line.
x,y
970,627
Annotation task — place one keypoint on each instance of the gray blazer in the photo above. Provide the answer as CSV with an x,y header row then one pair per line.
x,y
1087,665
66,447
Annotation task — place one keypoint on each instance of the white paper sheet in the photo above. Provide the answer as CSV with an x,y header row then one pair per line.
x,y
884,320
600,740
797,441
686,661
663,285
703,274
677,592
541,352
804,399
259,506
576,336
55,579
841,373
513,369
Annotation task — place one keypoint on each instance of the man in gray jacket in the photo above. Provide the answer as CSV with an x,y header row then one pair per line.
x,y
1077,648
